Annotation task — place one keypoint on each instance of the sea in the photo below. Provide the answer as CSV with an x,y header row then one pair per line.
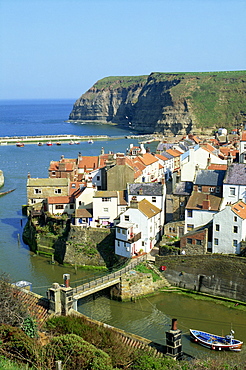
x,y
29,118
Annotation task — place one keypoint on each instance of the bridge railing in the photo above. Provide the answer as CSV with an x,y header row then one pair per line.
x,y
111,276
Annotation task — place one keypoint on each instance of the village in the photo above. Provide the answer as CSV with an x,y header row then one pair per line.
x,y
192,190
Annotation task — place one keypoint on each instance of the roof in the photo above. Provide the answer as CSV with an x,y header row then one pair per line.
x,y
243,138
174,152
89,163
236,174
106,194
125,224
218,167
59,200
82,212
209,177
146,188
47,181
147,208
147,159
37,305
183,188
240,209
196,201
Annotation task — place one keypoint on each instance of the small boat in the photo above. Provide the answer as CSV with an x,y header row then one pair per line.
x,y
58,143
77,142
49,143
6,192
20,144
40,144
216,342
90,141
71,142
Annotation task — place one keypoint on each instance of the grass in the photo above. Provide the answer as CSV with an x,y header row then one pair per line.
x,y
145,270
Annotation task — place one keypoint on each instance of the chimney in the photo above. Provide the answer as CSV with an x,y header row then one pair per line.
x,y
134,203
102,150
206,203
208,161
28,175
66,279
174,341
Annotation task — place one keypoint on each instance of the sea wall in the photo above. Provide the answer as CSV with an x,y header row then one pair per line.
x,y
218,275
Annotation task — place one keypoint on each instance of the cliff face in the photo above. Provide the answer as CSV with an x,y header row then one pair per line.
x,y
176,103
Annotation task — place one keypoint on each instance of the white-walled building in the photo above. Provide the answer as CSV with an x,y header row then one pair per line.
x,y
242,148
229,229
197,158
107,205
200,209
142,217
234,184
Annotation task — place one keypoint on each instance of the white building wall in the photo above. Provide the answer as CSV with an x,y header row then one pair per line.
x,y
223,238
199,218
85,199
232,193
105,210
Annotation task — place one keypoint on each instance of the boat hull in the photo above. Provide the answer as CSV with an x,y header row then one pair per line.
x,y
215,342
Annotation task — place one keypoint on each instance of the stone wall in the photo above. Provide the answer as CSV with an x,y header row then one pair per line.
x,y
92,246
218,275
135,284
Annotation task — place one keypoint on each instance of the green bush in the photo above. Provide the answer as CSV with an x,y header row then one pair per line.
x,y
75,353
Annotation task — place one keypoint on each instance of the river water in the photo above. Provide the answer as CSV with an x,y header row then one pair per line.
x,y
148,317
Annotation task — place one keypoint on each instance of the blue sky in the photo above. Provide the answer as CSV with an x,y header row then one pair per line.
x,y
60,48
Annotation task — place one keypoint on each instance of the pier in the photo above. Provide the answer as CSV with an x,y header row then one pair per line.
x,y
63,138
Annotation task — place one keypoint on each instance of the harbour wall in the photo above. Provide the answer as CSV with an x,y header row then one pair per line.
x,y
218,275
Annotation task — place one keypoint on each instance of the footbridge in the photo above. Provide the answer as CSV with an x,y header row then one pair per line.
x,y
104,282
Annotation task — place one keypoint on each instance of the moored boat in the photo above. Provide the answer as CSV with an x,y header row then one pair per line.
x,y
58,143
71,142
90,141
20,144
77,142
49,143
216,342
40,144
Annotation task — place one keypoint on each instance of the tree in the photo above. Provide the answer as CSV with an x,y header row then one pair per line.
x,y
12,309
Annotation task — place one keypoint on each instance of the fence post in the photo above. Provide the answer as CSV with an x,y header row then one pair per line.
x,y
59,365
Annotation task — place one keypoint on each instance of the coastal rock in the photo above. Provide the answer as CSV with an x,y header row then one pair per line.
x,y
167,103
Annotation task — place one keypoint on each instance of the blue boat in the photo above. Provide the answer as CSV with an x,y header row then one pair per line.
x,y
216,342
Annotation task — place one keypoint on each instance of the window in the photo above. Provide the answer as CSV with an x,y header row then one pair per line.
x,y
190,227
106,199
189,213
216,241
122,209
58,191
217,189
234,243
235,218
198,242
127,218
105,209
153,199
118,243
232,191
98,178
189,241
235,229
37,191
73,186
80,203
53,173
212,190
123,231
71,206
217,227
199,188
150,229
142,244
59,206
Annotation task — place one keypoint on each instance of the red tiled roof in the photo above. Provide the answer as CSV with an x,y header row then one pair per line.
x,y
213,166
37,305
147,159
63,199
82,212
196,201
243,138
240,209
90,162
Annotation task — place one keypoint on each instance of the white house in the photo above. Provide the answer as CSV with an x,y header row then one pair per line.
x,y
141,217
151,169
167,161
153,192
106,206
59,205
200,209
229,228
234,184
197,158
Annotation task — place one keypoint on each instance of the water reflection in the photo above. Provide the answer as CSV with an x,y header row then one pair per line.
x,y
151,317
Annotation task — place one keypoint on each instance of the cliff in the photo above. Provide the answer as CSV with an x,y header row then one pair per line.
x,y
169,103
